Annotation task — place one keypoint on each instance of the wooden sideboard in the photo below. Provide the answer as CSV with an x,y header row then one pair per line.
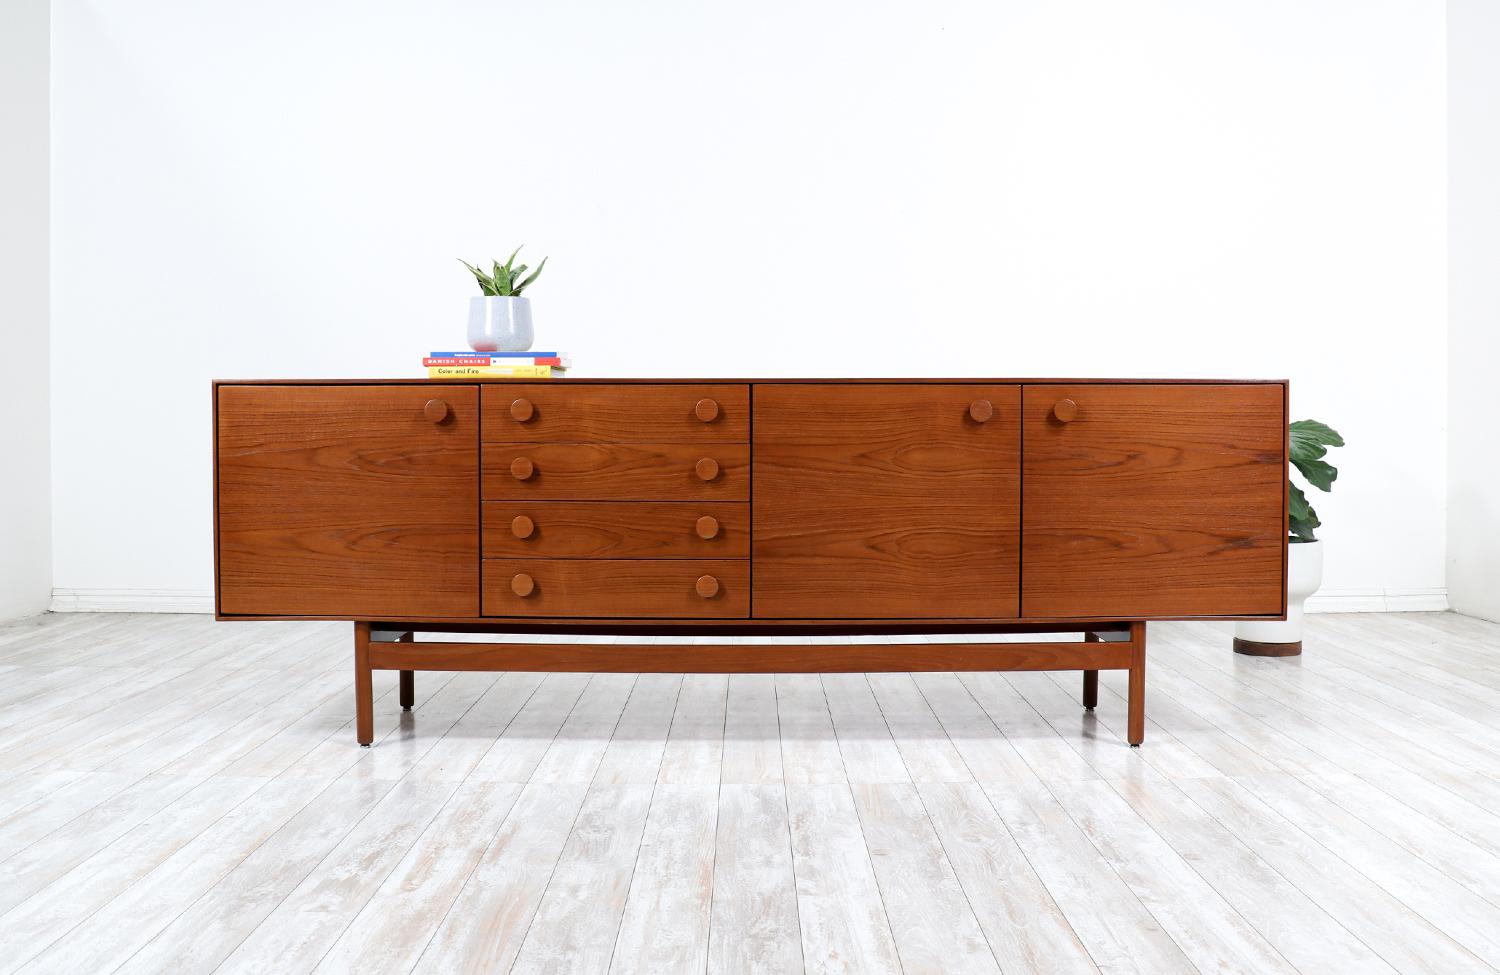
x,y
750,507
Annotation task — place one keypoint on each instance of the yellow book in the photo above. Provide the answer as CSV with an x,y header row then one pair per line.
x,y
480,372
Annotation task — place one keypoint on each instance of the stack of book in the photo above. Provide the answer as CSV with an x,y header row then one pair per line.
x,y
503,365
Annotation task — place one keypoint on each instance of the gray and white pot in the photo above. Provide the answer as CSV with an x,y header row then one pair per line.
x,y
1278,638
499,324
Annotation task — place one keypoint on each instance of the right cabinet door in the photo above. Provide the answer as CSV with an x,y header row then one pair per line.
x,y
1153,501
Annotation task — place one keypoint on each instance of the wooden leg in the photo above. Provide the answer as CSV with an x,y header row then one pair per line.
x,y
1136,717
1090,679
408,679
364,695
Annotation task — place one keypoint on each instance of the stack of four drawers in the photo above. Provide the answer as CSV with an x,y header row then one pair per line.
x,y
617,501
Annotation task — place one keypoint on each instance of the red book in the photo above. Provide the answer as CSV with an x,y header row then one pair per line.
x,y
480,360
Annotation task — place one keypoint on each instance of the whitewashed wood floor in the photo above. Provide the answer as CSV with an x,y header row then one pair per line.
x,y
184,796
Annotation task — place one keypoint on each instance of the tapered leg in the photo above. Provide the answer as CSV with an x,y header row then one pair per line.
x,y
1090,679
1136,716
408,678
364,695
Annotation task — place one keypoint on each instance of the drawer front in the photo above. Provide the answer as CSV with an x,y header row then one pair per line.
x,y
616,472
540,412
617,529
679,588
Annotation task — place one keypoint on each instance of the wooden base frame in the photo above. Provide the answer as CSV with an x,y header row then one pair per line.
x,y
392,646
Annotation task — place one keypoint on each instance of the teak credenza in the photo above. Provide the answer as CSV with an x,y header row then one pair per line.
x,y
734,507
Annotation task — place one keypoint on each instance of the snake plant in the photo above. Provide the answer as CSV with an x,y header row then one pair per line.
x,y
504,280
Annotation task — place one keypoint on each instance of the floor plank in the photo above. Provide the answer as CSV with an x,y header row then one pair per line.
x,y
184,795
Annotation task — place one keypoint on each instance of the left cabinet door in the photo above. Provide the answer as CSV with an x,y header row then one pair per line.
x,y
352,502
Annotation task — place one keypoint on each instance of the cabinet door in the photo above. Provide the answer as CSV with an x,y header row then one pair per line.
x,y
1153,500
348,501
885,501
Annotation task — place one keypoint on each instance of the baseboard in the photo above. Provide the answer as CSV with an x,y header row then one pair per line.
x,y
1379,601
132,601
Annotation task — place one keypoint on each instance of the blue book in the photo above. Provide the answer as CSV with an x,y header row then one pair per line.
x,y
468,353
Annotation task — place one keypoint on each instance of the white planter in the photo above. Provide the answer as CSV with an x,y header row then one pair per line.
x,y
499,324
1284,638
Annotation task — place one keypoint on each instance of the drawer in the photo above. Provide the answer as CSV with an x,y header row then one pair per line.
x,y
682,588
588,413
617,529
615,472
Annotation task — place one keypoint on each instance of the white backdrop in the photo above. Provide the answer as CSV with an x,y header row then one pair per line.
x,y
961,188
25,525
1474,290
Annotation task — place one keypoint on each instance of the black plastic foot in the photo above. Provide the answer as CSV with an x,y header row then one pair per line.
x,y
406,709
364,744
1136,745
1088,709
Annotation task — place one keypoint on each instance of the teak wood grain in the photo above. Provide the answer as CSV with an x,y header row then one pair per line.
x,y
617,529
615,471
890,501
731,658
865,507
1154,501
347,501
616,588
562,413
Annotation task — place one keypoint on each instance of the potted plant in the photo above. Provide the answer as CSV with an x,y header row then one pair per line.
x,y
499,317
1310,441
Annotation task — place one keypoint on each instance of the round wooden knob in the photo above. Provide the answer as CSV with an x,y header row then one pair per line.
x,y
522,584
706,410
522,526
707,468
708,527
707,587
521,468
981,410
435,410
1065,410
521,410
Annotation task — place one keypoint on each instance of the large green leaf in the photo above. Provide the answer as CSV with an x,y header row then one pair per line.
x,y
1310,439
502,281
1301,518
511,260
1319,473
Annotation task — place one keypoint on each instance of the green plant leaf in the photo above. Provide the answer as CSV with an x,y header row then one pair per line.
x,y
533,277
1310,439
502,281
517,272
511,260
1301,518
1319,473
486,284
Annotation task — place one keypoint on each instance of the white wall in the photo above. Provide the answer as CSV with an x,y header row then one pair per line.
x,y
25,522
1474,306
956,188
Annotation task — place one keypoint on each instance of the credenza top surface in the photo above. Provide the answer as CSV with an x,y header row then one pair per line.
x,y
698,381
